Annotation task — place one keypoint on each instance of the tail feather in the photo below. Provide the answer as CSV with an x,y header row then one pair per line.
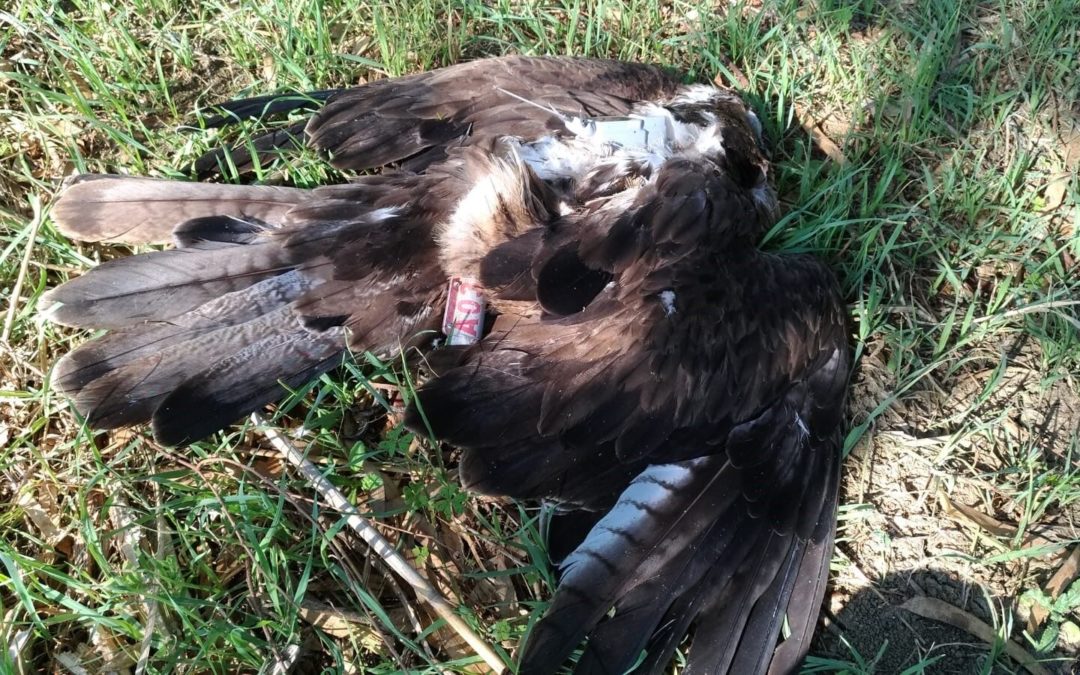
x,y
162,284
614,646
145,210
762,627
130,393
119,348
794,593
730,542
656,521
738,626
811,579
256,375
721,626
693,544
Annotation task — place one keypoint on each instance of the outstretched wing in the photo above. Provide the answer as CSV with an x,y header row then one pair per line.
x,y
696,398
413,120
416,120
730,544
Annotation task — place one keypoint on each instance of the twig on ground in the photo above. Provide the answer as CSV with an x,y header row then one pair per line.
x,y
127,526
24,266
1028,309
965,514
939,610
424,590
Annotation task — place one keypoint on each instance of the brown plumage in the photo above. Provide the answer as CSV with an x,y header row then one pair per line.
x,y
674,391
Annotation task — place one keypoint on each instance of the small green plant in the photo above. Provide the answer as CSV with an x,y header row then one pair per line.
x,y
1059,610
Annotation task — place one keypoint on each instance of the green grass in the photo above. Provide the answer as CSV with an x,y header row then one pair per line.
x,y
953,225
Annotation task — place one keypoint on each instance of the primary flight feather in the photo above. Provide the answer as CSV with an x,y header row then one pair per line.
x,y
674,392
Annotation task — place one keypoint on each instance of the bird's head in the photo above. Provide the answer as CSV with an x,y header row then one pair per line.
x,y
720,127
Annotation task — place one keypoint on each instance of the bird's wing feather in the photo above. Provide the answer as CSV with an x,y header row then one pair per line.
x,y
259,303
162,284
706,422
699,542
364,256
413,119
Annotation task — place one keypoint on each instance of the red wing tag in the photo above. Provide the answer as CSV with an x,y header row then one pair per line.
x,y
463,322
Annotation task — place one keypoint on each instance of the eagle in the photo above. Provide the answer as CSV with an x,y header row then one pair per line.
x,y
573,246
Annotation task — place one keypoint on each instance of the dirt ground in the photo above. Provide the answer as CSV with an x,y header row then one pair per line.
x,y
912,527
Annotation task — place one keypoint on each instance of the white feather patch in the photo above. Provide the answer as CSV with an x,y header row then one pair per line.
x,y
683,136
667,300
698,93
710,141
383,214
474,228
553,158
801,425
641,503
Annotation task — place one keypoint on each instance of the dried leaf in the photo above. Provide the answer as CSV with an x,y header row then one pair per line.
x,y
39,503
335,622
965,514
738,79
1054,196
815,129
112,651
939,610
39,517
71,663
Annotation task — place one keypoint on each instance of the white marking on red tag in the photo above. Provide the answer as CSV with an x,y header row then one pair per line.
x,y
463,321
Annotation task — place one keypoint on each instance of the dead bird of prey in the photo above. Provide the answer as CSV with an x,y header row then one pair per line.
x,y
674,391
